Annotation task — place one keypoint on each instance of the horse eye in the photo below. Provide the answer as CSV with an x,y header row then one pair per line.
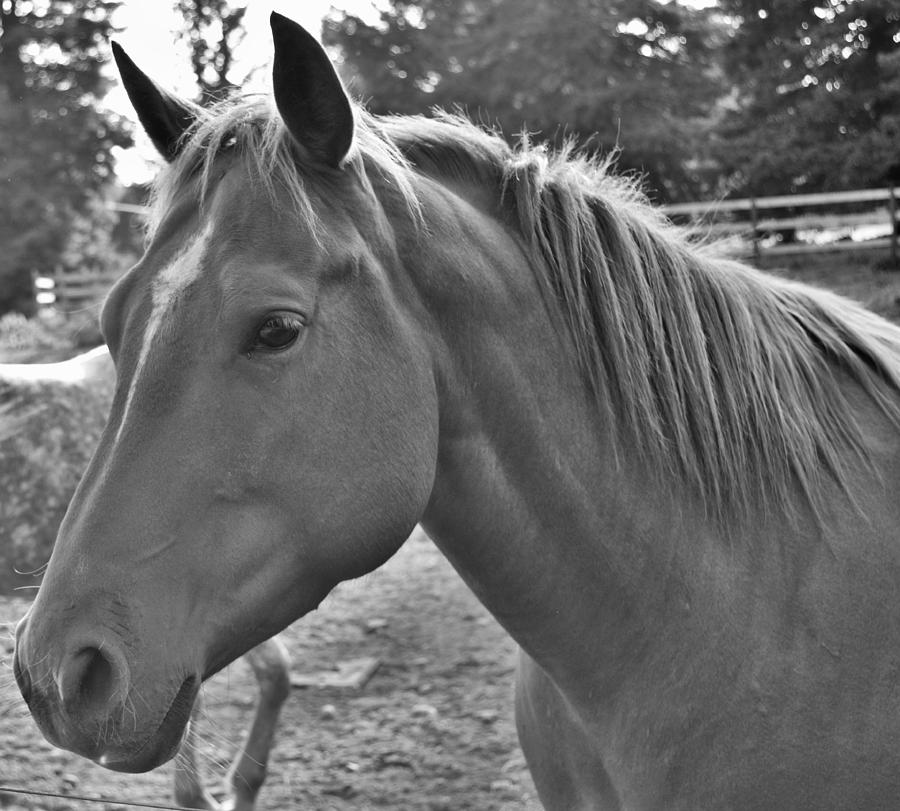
x,y
279,331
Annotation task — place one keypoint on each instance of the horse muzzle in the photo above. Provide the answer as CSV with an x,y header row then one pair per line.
x,y
163,744
81,700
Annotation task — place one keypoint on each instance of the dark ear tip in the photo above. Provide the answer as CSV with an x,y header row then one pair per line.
x,y
283,27
118,50
279,21
123,61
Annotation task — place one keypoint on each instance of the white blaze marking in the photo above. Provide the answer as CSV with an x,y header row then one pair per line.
x,y
166,288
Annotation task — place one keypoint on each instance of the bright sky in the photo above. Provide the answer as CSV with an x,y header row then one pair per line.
x,y
148,35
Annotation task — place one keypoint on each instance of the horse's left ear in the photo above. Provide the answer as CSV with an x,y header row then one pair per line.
x,y
308,93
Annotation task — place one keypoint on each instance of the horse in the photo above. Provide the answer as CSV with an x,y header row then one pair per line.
x,y
22,388
672,479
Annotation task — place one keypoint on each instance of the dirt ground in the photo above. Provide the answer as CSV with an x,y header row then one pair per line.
x,y
433,728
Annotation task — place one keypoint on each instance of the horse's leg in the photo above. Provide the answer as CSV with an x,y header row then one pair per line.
x,y
189,789
271,666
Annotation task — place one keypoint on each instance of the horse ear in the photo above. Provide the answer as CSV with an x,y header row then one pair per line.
x,y
308,93
164,117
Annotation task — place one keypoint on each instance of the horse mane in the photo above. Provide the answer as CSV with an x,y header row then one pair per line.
x,y
724,377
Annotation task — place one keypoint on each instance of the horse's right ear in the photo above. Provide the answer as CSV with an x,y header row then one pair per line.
x,y
164,117
308,93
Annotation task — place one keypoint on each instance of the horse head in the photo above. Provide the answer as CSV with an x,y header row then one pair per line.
x,y
273,429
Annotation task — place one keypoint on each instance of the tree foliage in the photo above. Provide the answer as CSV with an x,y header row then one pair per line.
x,y
639,74
48,432
55,141
214,30
816,94
751,96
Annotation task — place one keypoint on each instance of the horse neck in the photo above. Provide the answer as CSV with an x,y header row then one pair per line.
x,y
552,528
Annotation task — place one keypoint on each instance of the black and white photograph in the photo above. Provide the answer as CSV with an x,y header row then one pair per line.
x,y
437,405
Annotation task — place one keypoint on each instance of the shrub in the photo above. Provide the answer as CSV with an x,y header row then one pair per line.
x,y
48,432
18,333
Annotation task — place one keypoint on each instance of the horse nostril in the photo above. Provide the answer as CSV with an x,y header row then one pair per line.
x,y
89,682
98,677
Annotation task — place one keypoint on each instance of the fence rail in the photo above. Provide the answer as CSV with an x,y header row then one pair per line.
x,y
799,223
73,292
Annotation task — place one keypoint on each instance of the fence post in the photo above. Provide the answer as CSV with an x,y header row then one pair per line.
x,y
754,219
892,207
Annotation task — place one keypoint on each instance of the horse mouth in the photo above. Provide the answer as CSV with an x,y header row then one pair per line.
x,y
166,741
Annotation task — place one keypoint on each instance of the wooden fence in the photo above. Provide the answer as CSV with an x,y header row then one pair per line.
x,y
798,223
72,293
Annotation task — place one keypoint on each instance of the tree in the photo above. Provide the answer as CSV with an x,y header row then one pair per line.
x,y
639,74
816,94
214,30
55,141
